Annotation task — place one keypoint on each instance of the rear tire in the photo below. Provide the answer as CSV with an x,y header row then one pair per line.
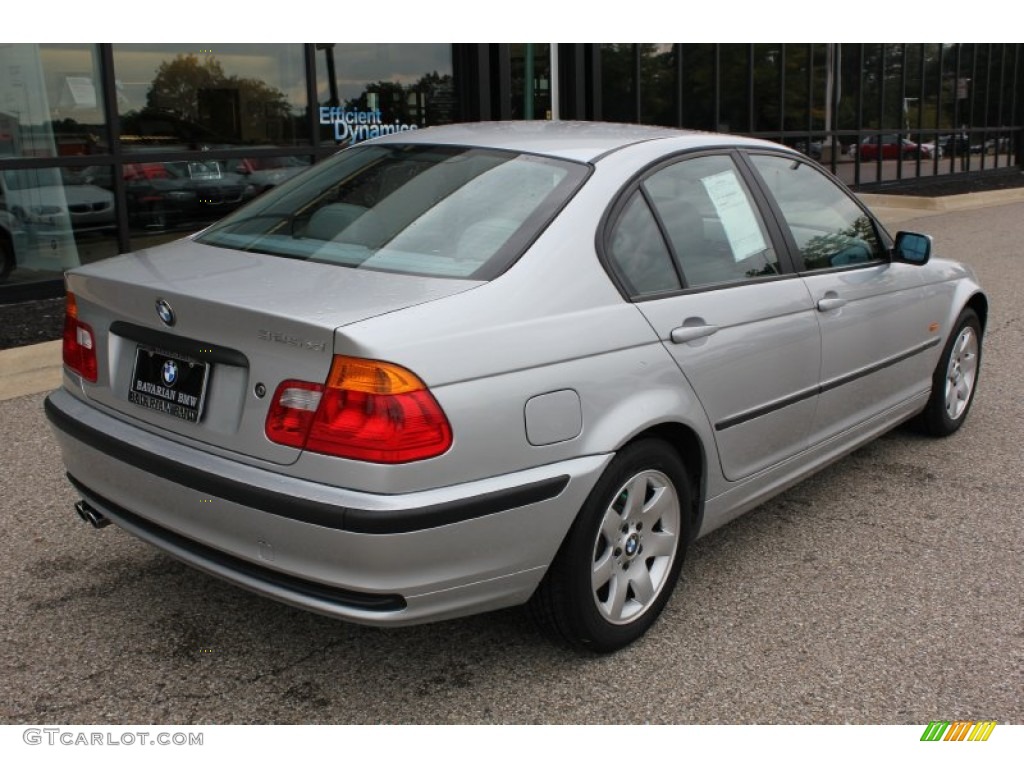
x,y
621,559
955,379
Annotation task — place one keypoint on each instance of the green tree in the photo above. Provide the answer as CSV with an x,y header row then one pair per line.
x,y
180,85
177,84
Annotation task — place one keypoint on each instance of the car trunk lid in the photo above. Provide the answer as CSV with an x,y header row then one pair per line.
x,y
234,326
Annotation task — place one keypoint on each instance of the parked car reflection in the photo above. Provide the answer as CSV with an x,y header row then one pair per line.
x,y
810,148
176,194
891,147
266,172
38,197
42,213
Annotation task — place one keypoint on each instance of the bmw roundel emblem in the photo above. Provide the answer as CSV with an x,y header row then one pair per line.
x,y
163,309
169,373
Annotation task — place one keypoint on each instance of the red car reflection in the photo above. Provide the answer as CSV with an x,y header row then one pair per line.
x,y
892,148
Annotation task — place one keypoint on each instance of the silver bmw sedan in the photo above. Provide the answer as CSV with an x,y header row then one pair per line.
x,y
474,366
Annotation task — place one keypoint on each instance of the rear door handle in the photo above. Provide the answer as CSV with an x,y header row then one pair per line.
x,y
685,333
830,302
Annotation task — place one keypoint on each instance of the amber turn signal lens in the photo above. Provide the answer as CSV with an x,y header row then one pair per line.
x,y
372,376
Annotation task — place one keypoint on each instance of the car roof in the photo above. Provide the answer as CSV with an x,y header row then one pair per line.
x,y
570,140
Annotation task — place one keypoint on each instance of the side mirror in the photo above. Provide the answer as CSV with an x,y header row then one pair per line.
x,y
912,248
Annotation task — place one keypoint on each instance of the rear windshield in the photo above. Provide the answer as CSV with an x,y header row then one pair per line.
x,y
416,209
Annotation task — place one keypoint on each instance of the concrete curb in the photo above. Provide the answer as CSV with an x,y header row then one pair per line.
x,y
970,201
30,370
37,368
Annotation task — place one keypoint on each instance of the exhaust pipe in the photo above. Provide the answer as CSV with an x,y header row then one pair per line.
x,y
91,515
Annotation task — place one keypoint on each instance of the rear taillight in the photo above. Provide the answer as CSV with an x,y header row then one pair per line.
x,y
79,342
368,410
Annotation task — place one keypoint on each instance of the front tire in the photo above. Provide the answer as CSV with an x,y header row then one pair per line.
x,y
621,559
955,378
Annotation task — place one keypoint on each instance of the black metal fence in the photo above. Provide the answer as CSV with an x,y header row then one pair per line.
x,y
874,113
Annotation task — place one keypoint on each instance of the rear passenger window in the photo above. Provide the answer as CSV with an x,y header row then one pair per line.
x,y
710,220
638,251
829,228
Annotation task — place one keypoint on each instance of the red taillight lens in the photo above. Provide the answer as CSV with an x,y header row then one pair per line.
x,y
79,342
368,410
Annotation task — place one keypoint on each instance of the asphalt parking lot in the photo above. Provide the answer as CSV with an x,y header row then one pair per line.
x,y
887,589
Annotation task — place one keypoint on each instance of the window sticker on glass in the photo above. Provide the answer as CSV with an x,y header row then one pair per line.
x,y
738,219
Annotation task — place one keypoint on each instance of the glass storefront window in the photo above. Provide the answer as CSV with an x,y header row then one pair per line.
x,y
265,173
618,82
797,99
168,199
658,88
698,86
51,101
734,88
52,219
639,83
364,91
849,83
530,65
177,96
767,69
242,113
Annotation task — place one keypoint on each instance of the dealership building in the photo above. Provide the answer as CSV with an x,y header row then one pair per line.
x,y
110,148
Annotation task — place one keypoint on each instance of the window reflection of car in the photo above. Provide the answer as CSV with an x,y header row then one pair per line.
x,y
954,144
892,148
812,149
177,193
992,146
39,198
39,210
266,172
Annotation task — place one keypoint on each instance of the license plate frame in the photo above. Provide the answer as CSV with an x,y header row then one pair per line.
x,y
169,382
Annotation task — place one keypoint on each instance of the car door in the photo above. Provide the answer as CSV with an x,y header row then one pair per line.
x,y
690,247
875,323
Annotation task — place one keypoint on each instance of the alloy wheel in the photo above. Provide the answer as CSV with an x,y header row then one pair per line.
x,y
635,547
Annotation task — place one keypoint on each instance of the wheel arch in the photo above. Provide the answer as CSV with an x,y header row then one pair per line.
x,y
568,604
979,303
690,448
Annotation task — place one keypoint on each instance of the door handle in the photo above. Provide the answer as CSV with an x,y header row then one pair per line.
x,y
685,333
830,302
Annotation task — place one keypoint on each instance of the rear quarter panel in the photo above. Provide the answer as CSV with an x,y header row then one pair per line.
x,y
552,322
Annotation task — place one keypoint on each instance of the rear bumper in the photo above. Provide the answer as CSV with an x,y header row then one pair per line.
x,y
369,558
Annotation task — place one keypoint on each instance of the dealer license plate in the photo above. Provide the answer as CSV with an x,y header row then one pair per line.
x,y
168,382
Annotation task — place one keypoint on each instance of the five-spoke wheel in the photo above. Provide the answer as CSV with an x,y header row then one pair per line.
x,y
635,547
961,372
621,559
955,378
